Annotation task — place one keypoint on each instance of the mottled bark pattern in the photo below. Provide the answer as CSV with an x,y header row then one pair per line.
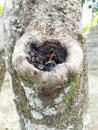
x,y
41,109
2,55
2,67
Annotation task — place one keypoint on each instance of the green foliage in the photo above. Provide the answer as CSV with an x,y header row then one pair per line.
x,y
1,8
93,5
94,20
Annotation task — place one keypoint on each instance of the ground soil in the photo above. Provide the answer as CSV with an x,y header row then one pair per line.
x,y
9,119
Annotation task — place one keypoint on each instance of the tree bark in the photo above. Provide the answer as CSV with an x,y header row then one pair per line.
x,y
55,104
2,67
2,55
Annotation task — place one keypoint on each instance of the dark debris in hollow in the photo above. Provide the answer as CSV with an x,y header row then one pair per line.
x,y
46,57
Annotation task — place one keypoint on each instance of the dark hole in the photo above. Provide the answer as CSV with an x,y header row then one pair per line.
x,y
47,57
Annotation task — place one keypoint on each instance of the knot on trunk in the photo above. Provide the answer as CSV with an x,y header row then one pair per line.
x,y
47,61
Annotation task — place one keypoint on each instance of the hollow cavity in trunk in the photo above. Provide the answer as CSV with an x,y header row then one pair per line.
x,y
47,56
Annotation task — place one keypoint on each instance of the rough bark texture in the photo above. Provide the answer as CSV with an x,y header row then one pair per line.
x,y
45,108
2,67
2,59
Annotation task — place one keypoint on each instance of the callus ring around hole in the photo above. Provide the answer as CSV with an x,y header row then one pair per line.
x,y
50,60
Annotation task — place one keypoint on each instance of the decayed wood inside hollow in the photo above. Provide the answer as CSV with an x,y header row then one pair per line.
x,y
47,56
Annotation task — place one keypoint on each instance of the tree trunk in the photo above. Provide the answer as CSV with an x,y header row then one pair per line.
x,y
54,100
2,61
2,67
